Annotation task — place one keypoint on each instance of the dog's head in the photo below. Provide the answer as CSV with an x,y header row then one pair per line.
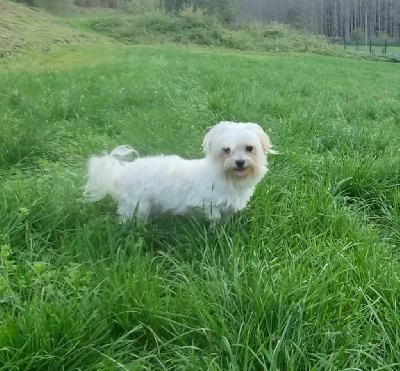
x,y
239,148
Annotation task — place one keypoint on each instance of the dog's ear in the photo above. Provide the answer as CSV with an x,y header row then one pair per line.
x,y
207,143
264,138
213,135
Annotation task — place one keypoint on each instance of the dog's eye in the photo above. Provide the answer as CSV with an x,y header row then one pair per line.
x,y
249,148
227,150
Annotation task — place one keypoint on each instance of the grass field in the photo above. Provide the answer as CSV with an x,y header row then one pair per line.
x,y
306,278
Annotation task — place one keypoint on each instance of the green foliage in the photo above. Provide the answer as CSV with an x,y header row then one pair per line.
x,y
358,35
141,6
57,7
383,35
87,3
113,4
66,7
306,278
224,10
195,26
28,2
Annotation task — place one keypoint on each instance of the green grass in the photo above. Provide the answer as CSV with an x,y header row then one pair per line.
x,y
375,48
25,29
307,277
195,27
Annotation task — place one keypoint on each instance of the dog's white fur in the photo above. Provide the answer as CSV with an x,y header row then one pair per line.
x,y
214,185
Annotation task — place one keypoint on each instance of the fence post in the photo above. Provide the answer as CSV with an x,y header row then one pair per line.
x,y
357,44
370,46
385,45
344,42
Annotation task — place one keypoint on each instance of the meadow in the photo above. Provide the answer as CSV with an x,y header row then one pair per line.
x,y
306,278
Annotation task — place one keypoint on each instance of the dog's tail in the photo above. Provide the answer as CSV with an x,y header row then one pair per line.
x,y
105,174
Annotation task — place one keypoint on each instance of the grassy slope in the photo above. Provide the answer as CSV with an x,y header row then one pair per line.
x,y
190,27
194,28
25,29
307,276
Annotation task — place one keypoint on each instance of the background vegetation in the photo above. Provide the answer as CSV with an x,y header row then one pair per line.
x,y
333,18
195,27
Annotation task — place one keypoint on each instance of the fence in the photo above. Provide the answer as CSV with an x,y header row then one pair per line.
x,y
373,46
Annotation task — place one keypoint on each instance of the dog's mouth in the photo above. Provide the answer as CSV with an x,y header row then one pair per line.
x,y
240,171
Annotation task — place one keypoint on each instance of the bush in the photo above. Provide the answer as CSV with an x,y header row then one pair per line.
x,y
86,3
92,3
357,35
140,6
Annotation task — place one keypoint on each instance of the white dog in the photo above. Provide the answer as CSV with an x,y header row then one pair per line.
x,y
217,185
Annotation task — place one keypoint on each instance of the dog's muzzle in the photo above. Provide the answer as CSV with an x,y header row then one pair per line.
x,y
240,169
239,163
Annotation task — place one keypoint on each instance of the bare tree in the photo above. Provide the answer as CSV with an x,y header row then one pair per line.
x,y
334,18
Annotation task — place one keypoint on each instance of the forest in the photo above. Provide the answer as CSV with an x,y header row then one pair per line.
x,y
333,18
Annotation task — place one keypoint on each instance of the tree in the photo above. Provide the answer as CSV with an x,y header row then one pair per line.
x,y
334,18
358,36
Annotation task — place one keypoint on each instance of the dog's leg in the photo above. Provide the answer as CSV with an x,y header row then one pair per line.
x,y
127,211
226,215
124,214
214,215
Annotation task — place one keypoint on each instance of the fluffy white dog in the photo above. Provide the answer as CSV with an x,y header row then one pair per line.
x,y
217,185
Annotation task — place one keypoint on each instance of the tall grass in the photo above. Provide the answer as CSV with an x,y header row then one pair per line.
x,y
196,27
305,278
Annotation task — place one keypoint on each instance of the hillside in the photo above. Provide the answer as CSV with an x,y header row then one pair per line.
x,y
23,29
198,28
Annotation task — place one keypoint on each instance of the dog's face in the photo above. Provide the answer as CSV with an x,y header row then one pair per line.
x,y
239,148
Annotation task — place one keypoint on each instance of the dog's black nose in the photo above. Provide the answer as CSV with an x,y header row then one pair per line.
x,y
239,163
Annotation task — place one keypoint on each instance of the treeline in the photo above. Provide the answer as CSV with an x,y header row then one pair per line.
x,y
333,18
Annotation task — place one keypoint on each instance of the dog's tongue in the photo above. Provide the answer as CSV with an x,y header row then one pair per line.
x,y
240,172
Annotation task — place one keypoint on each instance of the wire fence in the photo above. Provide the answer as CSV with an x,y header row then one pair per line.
x,y
371,45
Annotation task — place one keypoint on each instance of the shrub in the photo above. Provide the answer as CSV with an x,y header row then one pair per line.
x,y
357,35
